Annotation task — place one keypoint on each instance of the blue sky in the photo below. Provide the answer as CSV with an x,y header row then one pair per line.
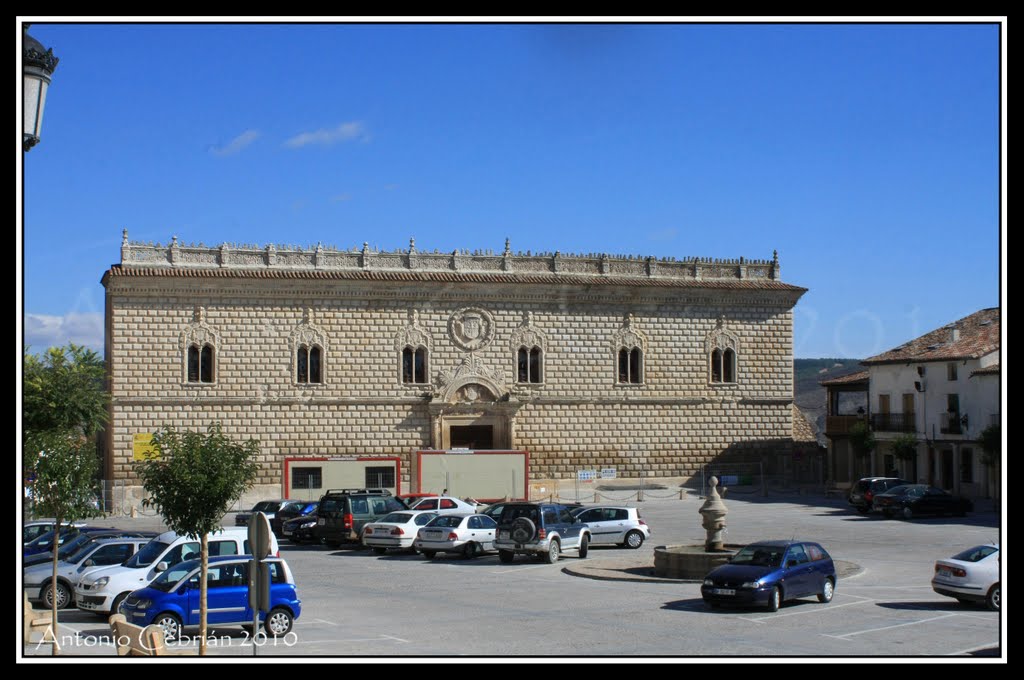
x,y
868,155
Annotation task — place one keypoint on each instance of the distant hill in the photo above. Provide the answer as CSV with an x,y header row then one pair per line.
x,y
809,395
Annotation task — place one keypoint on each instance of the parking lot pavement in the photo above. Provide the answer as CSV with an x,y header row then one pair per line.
x,y
640,568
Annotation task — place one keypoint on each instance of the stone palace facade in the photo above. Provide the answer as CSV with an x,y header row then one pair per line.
x,y
649,366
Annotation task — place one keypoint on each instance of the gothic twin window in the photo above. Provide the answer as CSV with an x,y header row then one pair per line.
x,y
200,363
309,365
631,366
722,350
414,365
529,365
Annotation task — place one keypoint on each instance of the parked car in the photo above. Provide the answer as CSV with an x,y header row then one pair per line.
x,y
171,601
36,528
94,553
542,529
396,530
469,535
863,492
914,500
101,590
44,543
769,573
614,525
72,546
343,513
268,508
445,505
971,576
291,510
411,499
300,529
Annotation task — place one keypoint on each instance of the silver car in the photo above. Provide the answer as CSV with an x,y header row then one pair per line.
x,y
466,534
614,525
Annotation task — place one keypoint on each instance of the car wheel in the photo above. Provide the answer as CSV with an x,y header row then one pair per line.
x,y
634,539
993,597
827,591
551,556
63,596
379,551
506,556
774,599
470,550
584,547
523,529
170,624
117,603
908,513
278,622
429,554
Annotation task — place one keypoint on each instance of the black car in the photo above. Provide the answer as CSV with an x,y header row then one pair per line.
x,y
913,500
863,492
291,510
300,529
83,538
343,512
268,508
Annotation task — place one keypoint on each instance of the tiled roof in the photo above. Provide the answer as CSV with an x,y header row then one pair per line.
x,y
988,370
978,336
802,430
450,277
859,376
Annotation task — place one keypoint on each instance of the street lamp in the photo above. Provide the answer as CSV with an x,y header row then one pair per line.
x,y
38,63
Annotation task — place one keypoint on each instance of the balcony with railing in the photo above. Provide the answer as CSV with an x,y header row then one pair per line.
x,y
949,423
840,425
893,422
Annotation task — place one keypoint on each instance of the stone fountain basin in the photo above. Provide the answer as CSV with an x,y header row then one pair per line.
x,y
689,562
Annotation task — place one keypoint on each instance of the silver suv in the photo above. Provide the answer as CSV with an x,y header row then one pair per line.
x,y
544,529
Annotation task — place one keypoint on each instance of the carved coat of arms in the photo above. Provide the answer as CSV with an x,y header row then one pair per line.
x,y
471,328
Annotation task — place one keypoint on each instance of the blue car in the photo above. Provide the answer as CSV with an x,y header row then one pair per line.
x,y
171,601
768,573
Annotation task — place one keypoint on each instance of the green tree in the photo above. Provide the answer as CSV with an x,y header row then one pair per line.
x,y
862,440
991,445
194,478
64,407
904,446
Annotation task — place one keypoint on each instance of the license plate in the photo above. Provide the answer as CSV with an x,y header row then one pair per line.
x,y
723,591
945,572
502,534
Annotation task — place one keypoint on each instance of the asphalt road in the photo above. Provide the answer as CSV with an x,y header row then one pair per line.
x,y
402,607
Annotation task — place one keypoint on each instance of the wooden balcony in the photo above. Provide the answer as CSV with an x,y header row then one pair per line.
x,y
893,422
840,425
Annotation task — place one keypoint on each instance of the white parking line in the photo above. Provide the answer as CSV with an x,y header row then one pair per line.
x,y
818,610
974,649
898,625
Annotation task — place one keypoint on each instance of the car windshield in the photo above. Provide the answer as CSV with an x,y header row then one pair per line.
x,y
145,557
976,554
445,521
759,556
168,580
81,553
396,518
265,506
46,539
513,512
904,490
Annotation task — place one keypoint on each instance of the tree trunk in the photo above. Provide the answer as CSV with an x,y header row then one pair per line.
x,y
204,554
54,647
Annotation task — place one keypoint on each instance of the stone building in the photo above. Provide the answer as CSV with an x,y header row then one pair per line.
x,y
645,366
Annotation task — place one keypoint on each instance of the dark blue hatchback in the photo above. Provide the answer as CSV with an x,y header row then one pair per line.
x,y
768,573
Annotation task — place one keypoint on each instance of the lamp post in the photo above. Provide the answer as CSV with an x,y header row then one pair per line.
x,y
38,64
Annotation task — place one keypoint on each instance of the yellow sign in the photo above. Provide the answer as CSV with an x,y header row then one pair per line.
x,y
143,449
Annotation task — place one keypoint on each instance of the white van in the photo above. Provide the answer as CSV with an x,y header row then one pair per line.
x,y
102,590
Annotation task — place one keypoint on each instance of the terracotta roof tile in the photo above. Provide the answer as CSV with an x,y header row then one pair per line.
x,y
859,376
978,336
988,370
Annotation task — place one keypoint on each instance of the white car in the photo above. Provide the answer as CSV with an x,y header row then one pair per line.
x,y
101,552
970,576
466,534
445,505
396,530
103,589
614,525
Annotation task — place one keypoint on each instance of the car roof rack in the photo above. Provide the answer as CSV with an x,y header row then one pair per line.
x,y
376,492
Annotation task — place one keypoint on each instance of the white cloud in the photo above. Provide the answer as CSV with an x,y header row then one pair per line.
x,y
43,331
237,144
346,132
